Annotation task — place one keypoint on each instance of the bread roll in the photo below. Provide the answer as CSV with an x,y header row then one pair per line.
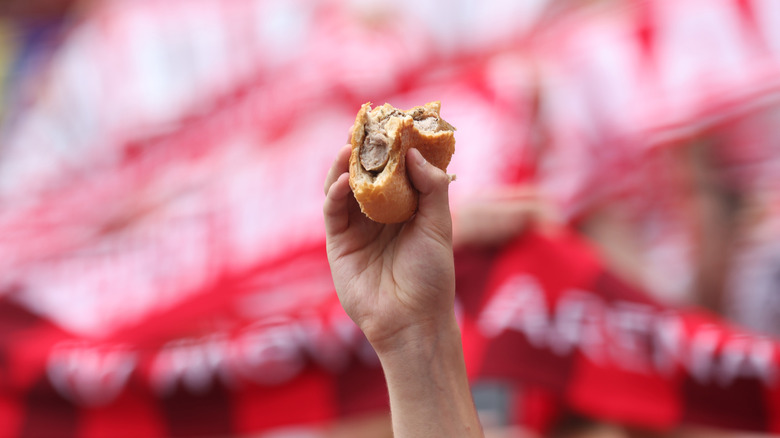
x,y
377,165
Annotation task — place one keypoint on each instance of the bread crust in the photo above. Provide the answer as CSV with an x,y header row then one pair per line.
x,y
389,196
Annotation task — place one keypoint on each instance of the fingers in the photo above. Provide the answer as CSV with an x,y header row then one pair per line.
x,y
336,207
337,189
339,166
492,222
497,219
433,185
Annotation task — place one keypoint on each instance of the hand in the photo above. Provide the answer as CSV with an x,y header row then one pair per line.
x,y
392,279
498,216
397,282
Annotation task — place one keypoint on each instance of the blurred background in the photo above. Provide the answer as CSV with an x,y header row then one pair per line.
x,y
162,264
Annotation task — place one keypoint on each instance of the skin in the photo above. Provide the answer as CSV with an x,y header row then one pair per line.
x,y
496,217
397,282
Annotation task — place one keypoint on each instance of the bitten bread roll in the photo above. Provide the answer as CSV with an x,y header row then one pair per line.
x,y
377,166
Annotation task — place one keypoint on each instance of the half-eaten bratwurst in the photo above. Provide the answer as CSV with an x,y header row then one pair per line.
x,y
377,166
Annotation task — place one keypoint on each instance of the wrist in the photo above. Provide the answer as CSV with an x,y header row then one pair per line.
x,y
420,338
427,382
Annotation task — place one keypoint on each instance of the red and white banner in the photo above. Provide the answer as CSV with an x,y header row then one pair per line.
x,y
552,316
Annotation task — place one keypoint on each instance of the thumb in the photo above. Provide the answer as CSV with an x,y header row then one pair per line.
x,y
433,185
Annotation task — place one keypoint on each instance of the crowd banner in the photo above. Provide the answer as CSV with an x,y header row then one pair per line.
x,y
552,315
250,355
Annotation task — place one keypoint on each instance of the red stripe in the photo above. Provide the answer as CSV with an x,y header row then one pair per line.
x,y
48,415
11,413
132,415
207,414
309,399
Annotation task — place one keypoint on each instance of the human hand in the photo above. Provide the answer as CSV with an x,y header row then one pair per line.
x,y
496,217
392,279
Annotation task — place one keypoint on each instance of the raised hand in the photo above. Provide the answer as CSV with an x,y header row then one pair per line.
x,y
392,278
397,282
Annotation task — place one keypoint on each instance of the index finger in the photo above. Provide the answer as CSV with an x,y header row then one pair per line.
x,y
340,165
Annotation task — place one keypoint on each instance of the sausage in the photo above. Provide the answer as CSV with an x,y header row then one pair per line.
x,y
427,124
375,151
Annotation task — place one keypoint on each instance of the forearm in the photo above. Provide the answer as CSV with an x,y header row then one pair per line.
x,y
428,386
